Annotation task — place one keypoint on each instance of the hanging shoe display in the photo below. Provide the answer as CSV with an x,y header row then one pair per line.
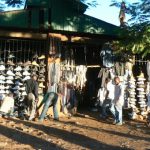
x,y
141,95
132,96
34,63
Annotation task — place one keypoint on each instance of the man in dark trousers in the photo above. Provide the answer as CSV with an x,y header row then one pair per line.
x,y
32,96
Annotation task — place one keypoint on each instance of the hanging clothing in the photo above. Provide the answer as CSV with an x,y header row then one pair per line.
x,y
54,72
101,96
103,74
107,56
119,68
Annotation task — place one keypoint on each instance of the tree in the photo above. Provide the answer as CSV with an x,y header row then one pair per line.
x,y
19,3
137,34
14,3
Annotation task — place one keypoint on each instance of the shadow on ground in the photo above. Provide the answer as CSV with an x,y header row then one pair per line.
x,y
70,137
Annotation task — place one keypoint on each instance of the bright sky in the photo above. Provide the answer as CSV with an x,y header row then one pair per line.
x,y
107,13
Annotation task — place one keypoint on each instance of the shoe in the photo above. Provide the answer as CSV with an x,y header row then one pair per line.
x,y
141,93
2,73
142,99
2,87
16,88
140,82
22,88
18,74
42,70
41,79
119,124
140,89
10,63
2,67
27,68
41,76
18,83
141,79
10,68
10,73
7,87
20,63
17,93
2,92
141,96
35,56
26,73
26,78
35,69
18,68
9,82
133,103
41,57
1,62
41,85
34,63
9,78
141,86
2,77
27,63
141,102
10,56
114,122
7,91
24,93
2,81
42,64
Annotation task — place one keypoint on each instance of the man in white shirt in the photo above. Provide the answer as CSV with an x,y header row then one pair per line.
x,y
108,97
117,102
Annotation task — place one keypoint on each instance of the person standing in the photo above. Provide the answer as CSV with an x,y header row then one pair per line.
x,y
50,99
32,96
118,102
108,97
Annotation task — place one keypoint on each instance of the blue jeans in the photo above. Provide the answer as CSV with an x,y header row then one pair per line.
x,y
50,101
106,104
117,113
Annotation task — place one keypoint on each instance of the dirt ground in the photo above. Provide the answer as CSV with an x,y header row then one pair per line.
x,y
82,132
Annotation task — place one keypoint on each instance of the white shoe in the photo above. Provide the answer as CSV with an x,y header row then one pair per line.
x,y
10,73
7,87
2,87
2,67
18,74
26,78
2,77
26,73
22,89
2,91
2,81
9,82
18,68
10,78
24,93
7,92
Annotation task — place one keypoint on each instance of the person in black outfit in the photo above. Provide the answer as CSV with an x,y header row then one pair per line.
x,y
32,96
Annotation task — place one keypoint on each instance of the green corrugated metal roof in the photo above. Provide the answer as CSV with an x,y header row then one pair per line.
x,y
86,24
